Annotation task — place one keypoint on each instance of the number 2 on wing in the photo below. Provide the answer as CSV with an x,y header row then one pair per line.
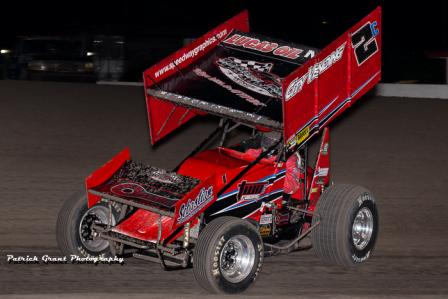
x,y
364,42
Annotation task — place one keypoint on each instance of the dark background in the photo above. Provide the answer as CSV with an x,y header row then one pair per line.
x,y
153,29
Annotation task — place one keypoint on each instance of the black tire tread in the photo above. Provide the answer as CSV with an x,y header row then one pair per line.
x,y
63,223
201,251
334,206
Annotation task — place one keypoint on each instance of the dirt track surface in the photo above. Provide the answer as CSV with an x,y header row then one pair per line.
x,y
55,134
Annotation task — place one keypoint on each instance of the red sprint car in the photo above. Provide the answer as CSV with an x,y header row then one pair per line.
x,y
223,210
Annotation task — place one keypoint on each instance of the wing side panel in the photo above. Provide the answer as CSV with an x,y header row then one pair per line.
x,y
320,90
165,117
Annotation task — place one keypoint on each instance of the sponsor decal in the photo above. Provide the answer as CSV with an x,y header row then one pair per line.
x,y
250,191
265,219
190,54
224,85
216,257
253,75
265,230
192,206
321,172
299,137
357,259
314,72
266,46
315,190
260,197
363,198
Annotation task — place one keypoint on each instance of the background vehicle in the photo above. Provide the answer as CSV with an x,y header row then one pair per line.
x,y
224,209
51,58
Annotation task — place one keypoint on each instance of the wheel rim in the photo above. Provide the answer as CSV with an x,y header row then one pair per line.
x,y
237,258
362,228
90,240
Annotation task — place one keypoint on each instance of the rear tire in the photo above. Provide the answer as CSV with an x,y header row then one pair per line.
x,y
73,222
228,256
348,229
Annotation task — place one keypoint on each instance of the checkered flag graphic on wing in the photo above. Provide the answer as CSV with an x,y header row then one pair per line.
x,y
253,75
255,65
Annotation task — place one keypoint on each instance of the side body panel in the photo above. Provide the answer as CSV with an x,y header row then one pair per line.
x,y
263,184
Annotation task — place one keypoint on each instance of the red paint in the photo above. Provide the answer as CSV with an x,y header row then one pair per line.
x,y
143,225
311,106
103,173
343,81
319,178
159,111
202,165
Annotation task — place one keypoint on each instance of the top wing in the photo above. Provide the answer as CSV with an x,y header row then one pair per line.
x,y
232,74
264,82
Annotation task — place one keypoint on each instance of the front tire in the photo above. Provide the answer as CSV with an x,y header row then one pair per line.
x,y
348,229
228,256
74,234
